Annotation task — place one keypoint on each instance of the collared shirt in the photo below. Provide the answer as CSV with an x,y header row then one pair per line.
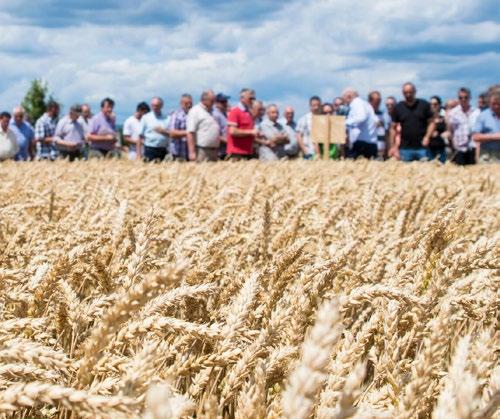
x,y
488,123
221,119
150,121
304,127
100,124
25,136
462,122
292,148
177,122
45,127
240,117
8,144
201,122
270,130
69,130
132,127
84,123
361,122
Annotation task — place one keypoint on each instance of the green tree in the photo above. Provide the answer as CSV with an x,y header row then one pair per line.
x,y
34,103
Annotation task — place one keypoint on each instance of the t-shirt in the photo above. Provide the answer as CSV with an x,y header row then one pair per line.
x,y
133,128
240,117
414,120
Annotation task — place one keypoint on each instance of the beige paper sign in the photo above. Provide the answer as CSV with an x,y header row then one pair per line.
x,y
326,130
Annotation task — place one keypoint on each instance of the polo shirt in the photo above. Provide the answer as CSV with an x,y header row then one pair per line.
x,y
132,127
241,118
488,123
69,130
304,127
101,125
414,121
149,122
24,137
462,122
270,130
201,122
8,144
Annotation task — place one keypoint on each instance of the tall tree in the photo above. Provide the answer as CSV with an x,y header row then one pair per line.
x,y
34,103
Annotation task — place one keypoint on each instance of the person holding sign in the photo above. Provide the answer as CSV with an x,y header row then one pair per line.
x,y
361,125
308,147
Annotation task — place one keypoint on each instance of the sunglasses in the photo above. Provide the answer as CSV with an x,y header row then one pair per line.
x,y
463,97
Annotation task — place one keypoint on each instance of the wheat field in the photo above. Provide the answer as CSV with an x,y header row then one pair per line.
x,y
241,290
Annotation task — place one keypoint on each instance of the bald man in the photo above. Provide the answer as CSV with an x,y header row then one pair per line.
x,y
155,132
290,127
25,135
272,144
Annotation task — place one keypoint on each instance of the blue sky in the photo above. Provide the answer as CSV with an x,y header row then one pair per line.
x,y
286,50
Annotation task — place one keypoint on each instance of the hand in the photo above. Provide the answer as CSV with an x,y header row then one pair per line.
x,y
159,130
308,156
192,156
110,137
271,144
394,152
426,141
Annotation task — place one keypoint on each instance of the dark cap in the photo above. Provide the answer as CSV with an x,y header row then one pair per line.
x,y
221,97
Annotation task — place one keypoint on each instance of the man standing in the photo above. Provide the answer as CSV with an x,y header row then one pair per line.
x,y
461,120
132,131
45,128
272,145
69,137
361,124
155,132
85,117
415,117
290,127
486,130
375,99
307,145
220,114
8,144
203,138
241,131
102,135
177,129
25,136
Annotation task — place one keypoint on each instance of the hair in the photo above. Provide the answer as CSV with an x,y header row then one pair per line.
x,y
108,101
494,91
465,90
373,93
143,107
272,105
186,96
313,98
5,115
18,109
338,98
52,104
246,90
437,99
390,98
206,93
483,95
327,104
76,108
409,83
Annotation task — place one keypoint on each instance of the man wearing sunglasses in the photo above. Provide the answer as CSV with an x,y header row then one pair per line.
x,y
461,119
241,132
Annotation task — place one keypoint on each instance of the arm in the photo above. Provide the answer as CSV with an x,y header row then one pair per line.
x,y
300,141
40,134
95,138
238,132
191,141
479,138
430,129
394,141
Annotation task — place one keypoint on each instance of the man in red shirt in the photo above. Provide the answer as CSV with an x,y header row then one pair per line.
x,y
241,131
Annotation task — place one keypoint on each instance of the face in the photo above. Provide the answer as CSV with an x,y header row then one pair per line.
x,y
156,105
390,104
248,98
107,110
337,104
186,103
289,114
86,112
258,110
73,115
54,112
463,99
327,110
375,101
18,118
273,113
409,92
481,102
315,106
208,101
4,123
435,106
495,104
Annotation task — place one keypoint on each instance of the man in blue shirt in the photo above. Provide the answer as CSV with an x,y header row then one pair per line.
x,y
25,135
486,130
155,132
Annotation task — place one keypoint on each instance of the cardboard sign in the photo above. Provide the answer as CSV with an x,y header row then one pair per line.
x,y
326,130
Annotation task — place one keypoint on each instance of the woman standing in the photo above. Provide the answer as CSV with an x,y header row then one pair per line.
x,y
437,146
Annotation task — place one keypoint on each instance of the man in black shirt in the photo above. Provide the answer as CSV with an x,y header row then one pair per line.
x,y
415,117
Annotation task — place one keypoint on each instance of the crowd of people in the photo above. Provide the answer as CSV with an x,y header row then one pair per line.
x,y
211,130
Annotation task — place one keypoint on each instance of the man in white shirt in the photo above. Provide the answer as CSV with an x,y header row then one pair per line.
x,y
307,144
203,130
8,143
132,132
361,125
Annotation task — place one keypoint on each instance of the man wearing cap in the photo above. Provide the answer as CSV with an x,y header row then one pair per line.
x,y
241,131
220,114
69,136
